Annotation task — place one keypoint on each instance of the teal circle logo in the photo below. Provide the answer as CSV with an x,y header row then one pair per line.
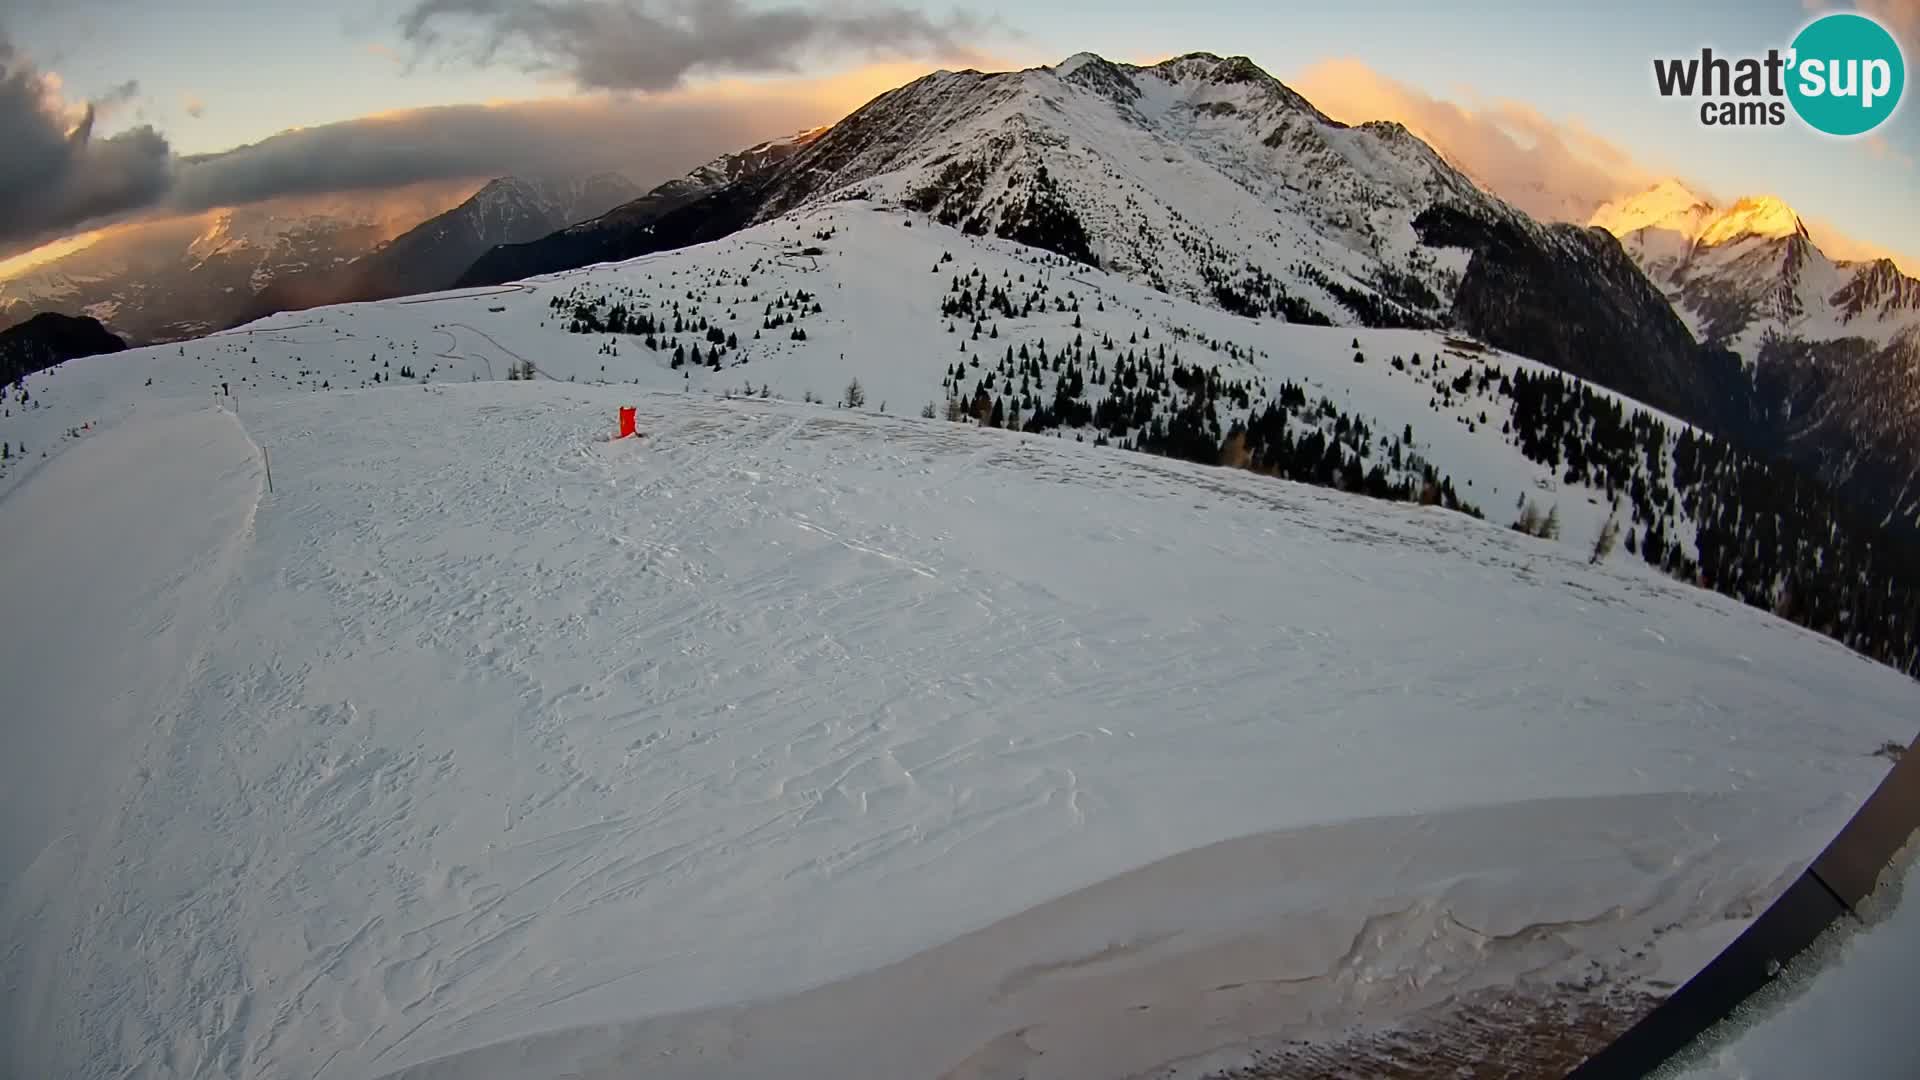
x,y
1847,74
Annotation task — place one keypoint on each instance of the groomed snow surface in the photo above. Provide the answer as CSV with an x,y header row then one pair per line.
x,y
798,741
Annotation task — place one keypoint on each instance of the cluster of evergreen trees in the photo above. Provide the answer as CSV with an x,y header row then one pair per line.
x,y
1140,396
953,195
1372,309
1044,219
685,332
1255,293
1338,450
972,297
1399,300
1762,532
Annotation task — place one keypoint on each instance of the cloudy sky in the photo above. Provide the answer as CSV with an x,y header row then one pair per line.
x,y
113,110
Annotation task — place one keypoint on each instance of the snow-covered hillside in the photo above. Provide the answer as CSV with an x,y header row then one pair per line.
x,y
480,726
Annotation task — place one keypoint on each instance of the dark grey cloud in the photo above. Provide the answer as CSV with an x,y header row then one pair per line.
x,y
118,95
54,174
60,183
650,140
653,45
58,177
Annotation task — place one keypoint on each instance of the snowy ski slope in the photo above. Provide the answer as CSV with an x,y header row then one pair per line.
x,y
832,742
484,726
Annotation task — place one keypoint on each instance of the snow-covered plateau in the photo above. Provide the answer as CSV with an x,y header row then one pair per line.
x,y
813,741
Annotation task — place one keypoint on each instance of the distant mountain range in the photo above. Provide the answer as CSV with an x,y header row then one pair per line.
x,y
606,236
186,277
1829,350
433,254
179,279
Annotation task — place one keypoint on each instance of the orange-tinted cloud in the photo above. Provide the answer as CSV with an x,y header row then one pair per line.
x,y
19,264
1878,148
648,138
383,215
627,45
1902,20
1839,245
829,97
58,179
1554,170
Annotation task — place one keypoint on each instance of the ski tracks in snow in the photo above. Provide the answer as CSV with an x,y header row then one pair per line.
x,y
512,727
154,515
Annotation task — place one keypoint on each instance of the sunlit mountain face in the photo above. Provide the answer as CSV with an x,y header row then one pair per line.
x,y
182,276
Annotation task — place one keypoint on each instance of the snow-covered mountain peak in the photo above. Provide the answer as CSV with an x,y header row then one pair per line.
x,y
1200,177
1762,216
1748,272
1075,62
1839,341
1668,205
503,191
1218,81
1671,206
1206,65
503,187
1202,174
1879,288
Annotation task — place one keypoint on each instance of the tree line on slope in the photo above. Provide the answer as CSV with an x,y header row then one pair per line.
x,y
1152,401
1697,508
1763,532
